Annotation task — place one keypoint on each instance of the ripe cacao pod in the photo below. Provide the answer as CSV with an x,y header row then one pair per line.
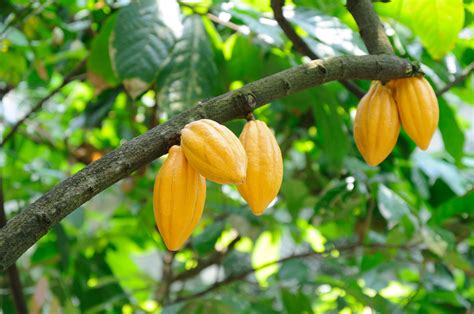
x,y
265,166
214,151
376,125
178,199
417,107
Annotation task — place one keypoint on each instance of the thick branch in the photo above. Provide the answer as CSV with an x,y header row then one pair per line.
x,y
370,27
301,46
32,223
13,275
464,75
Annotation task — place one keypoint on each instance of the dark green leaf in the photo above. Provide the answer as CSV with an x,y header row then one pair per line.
x,y
297,303
453,136
144,35
191,73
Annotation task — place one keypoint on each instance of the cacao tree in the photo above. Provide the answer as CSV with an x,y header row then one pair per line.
x,y
124,186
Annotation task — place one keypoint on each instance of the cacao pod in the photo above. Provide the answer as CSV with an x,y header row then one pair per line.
x,y
178,199
214,151
417,107
376,125
265,166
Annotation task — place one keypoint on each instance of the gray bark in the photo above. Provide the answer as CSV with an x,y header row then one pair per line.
x,y
370,28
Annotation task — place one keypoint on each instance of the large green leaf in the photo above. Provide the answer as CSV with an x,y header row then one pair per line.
x,y
99,59
453,136
191,73
436,22
456,206
144,35
391,206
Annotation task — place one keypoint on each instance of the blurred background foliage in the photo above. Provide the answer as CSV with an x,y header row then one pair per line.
x,y
351,238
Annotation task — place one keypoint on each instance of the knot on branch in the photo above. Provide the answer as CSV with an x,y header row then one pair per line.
x,y
246,102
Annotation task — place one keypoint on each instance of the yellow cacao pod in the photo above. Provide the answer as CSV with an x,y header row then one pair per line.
x,y
214,151
265,166
418,108
178,199
376,125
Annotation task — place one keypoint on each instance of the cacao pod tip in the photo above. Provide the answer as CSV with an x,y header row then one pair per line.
x,y
424,145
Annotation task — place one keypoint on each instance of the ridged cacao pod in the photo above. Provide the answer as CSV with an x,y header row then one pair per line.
x,y
376,125
265,166
178,199
417,107
214,151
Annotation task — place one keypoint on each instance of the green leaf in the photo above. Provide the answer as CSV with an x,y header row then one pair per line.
x,y
453,207
295,193
436,22
191,73
332,134
295,302
205,241
377,302
99,61
434,241
391,206
439,169
453,136
12,67
294,269
143,38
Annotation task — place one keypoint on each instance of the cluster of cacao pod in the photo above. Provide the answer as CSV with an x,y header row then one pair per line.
x,y
210,150
409,102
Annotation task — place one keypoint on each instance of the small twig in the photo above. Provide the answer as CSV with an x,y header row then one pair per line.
x,y
13,275
464,75
162,294
300,45
40,103
215,18
368,220
227,24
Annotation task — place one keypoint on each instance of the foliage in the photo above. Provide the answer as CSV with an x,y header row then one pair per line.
x,y
397,238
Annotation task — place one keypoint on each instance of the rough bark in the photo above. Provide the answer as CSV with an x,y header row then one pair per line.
x,y
33,222
370,28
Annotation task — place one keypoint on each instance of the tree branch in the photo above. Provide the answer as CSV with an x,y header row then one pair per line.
x,y
370,27
33,222
13,275
245,273
464,75
300,45
69,78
